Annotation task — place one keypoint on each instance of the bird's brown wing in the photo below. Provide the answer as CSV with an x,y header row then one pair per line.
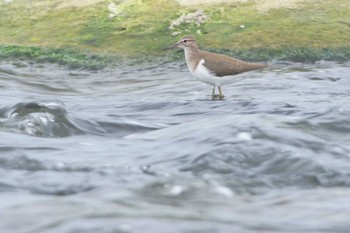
x,y
222,65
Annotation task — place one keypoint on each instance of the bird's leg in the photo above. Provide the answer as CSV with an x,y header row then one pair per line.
x,y
221,96
213,93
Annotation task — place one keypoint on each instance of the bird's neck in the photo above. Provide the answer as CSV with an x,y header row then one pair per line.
x,y
192,57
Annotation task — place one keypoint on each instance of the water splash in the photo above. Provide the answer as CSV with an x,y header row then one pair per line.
x,y
41,119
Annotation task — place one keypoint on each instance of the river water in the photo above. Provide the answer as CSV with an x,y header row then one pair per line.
x,y
145,149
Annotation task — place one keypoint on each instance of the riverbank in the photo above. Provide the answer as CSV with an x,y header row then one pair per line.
x,y
98,31
94,61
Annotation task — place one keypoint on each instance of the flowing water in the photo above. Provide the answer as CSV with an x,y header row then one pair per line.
x,y
145,149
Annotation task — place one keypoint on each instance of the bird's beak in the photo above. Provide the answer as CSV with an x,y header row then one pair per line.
x,y
172,46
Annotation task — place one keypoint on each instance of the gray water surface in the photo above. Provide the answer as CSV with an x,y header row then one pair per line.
x,y
145,149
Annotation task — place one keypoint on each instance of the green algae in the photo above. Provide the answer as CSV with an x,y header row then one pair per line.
x,y
313,31
72,58
296,54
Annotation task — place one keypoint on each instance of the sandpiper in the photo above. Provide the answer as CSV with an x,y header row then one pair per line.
x,y
212,68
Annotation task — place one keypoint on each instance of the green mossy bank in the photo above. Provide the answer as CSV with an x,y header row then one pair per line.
x,y
96,34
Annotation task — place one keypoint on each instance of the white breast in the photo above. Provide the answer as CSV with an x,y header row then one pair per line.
x,y
203,74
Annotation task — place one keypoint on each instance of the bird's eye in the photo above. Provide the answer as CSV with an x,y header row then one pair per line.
x,y
184,41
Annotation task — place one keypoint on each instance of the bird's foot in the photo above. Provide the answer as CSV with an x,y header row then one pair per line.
x,y
214,97
217,97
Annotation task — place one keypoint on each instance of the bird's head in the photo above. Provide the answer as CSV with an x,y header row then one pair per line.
x,y
185,42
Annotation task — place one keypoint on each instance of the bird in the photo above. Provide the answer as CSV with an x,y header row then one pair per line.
x,y
212,68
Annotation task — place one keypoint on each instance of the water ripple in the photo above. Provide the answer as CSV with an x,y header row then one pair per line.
x,y
42,119
139,149
51,119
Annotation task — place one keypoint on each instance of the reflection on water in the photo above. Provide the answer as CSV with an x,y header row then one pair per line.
x,y
136,149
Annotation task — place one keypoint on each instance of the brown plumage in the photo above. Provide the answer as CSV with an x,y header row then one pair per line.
x,y
211,67
223,65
